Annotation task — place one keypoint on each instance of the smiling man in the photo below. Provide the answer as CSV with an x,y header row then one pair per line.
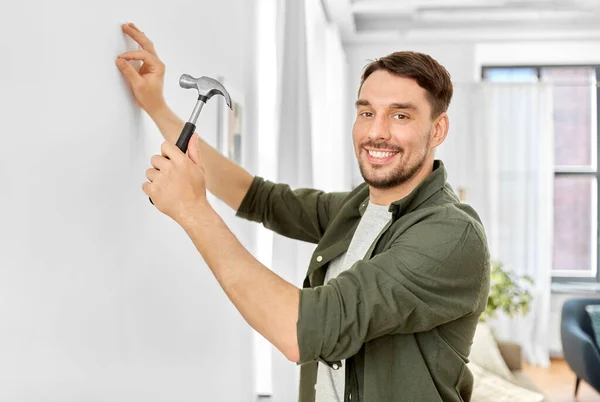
x,y
400,274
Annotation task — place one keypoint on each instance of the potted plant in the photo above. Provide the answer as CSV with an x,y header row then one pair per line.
x,y
508,293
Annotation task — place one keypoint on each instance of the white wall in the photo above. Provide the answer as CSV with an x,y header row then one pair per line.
x,y
464,62
101,296
528,53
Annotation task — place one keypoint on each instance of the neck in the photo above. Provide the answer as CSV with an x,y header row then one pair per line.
x,y
386,196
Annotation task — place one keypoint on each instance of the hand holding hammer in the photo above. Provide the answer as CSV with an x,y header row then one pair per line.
x,y
147,85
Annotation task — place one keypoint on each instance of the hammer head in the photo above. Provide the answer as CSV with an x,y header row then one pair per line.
x,y
206,87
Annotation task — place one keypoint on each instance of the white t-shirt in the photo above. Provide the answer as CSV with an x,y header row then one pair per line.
x,y
330,382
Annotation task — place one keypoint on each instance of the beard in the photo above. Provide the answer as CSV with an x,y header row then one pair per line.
x,y
375,176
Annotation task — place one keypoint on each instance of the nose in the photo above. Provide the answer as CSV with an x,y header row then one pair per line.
x,y
379,129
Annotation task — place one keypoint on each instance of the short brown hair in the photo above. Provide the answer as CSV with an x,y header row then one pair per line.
x,y
429,74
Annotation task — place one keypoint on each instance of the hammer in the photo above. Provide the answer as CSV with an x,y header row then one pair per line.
x,y
207,87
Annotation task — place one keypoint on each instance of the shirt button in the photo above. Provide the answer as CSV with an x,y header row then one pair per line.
x,y
335,366
319,258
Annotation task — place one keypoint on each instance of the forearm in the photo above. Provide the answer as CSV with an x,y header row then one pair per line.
x,y
169,124
266,301
224,178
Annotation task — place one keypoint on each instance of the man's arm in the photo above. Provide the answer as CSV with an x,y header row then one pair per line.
x,y
301,214
266,301
412,287
177,185
226,180
435,273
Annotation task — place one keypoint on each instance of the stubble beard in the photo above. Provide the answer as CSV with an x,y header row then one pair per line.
x,y
398,176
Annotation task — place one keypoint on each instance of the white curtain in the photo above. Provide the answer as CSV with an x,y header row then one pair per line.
x,y
512,188
308,128
500,152
332,155
294,166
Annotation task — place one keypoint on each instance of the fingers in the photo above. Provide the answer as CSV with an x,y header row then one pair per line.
x,y
143,55
133,26
147,188
138,36
151,174
159,162
193,150
130,73
171,151
152,62
193,141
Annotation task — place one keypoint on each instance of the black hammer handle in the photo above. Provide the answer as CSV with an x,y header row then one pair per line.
x,y
184,139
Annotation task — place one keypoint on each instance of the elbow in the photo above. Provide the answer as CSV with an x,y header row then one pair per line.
x,y
288,345
292,353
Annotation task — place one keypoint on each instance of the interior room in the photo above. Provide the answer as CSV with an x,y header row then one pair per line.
x,y
103,297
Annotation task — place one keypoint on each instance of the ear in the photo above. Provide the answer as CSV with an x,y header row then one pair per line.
x,y
440,130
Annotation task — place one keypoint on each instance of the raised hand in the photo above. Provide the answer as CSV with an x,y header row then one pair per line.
x,y
147,83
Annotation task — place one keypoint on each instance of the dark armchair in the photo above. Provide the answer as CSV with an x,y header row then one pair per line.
x,y
579,346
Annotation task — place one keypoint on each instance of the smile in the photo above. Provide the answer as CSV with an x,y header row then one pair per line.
x,y
380,156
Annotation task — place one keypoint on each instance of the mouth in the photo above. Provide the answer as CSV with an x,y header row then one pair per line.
x,y
379,157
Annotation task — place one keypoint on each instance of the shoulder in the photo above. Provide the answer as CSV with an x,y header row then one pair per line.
x,y
452,222
450,230
445,213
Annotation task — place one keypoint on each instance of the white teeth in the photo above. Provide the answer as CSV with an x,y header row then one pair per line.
x,y
382,155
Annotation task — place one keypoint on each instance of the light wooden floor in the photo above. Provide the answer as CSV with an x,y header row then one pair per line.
x,y
558,383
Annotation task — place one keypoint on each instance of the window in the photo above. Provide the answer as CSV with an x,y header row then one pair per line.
x,y
575,101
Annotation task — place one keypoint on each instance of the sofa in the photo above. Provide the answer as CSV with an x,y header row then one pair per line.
x,y
497,369
579,345
512,356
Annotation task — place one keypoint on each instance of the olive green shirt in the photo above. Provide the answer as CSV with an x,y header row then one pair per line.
x,y
404,316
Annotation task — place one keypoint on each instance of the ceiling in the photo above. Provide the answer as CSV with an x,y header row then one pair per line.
x,y
365,21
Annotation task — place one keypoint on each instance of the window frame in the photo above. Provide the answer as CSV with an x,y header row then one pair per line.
x,y
570,171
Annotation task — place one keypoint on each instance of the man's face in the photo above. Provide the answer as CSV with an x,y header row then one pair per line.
x,y
392,130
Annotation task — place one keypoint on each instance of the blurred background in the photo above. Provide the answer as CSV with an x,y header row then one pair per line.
x,y
103,298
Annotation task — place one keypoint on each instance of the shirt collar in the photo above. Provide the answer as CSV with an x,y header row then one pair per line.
x,y
432,184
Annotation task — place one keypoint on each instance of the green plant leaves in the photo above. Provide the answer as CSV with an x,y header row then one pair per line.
x,y
508,293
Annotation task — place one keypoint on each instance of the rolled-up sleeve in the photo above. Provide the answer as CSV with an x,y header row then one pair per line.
x,y
302,214
432,274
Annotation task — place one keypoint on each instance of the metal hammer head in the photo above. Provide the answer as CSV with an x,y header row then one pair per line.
x,y
206,86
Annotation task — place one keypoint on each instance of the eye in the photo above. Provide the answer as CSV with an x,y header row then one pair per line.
x,y
400,117
366,114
